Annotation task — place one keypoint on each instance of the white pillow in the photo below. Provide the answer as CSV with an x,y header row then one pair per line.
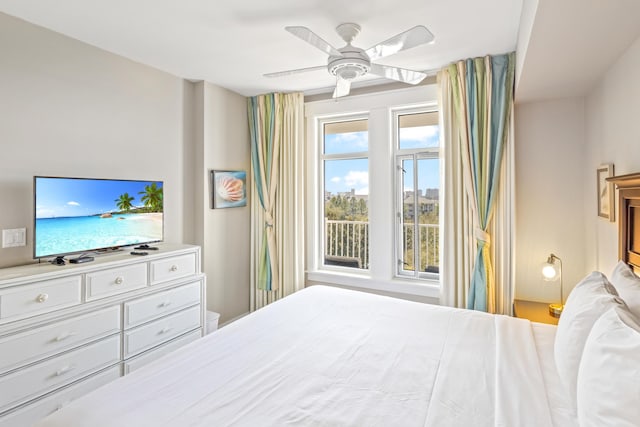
x,y
609,375
628,286
587,301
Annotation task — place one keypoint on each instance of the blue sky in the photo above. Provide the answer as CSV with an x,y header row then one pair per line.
x,y
65,197
343,175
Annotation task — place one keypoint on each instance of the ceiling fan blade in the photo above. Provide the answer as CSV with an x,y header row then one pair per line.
x,y
343,87
296,71
411,38
313,39
399,74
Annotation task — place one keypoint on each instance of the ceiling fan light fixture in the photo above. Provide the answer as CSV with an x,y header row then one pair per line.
x,y
349,70
349,67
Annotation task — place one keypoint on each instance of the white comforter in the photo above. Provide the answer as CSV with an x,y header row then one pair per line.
x,y
330,357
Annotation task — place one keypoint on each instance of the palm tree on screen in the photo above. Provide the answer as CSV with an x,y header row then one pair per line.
x,y
124,202
152,197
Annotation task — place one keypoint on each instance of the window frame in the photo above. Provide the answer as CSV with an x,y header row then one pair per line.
x,y
400,154
322,157
379,106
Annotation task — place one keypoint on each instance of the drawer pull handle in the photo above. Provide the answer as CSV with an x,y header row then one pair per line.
x,y
165,330
174,268
42,298
119,280
164,304
64,370
64,336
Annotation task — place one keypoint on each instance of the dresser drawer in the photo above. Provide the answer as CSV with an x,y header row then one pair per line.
x,y
34,412
159,331
155,306
50,374
167,269
115,281
34,344
40,297
156,353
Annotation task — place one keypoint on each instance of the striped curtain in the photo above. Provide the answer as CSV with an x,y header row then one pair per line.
x,y
276,128
482,90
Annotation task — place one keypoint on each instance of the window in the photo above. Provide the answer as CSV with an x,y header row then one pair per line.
x,y
345,165
355,146
417,194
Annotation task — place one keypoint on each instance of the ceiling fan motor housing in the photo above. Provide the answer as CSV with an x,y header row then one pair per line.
x,y
352,64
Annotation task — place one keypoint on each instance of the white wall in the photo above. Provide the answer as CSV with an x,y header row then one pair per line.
x,y
613,136
550,159
224,234
559,145
69,109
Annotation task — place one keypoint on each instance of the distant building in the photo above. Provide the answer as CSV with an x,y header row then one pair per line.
x,y
432,193
425,204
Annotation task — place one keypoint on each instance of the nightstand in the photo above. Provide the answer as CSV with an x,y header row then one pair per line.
x,y
534,311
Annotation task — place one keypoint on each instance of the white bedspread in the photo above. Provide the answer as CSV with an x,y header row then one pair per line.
x,y
331,357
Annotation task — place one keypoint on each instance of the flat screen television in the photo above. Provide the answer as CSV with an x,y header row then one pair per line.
x,y
80,215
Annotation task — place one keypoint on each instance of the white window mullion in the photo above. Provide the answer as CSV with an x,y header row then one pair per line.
x,y
416,214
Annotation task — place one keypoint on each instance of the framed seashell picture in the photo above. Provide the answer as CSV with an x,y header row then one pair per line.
x,y
229,189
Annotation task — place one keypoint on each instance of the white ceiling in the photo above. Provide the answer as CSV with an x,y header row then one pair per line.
x,y
572,43
232,43
565,46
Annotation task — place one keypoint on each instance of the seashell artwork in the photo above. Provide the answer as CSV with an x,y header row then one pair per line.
x,y
229,189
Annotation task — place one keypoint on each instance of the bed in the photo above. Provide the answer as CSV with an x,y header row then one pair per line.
x,y
332,357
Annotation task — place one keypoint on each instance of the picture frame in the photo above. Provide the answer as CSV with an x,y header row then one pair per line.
x,y
229,189
606,193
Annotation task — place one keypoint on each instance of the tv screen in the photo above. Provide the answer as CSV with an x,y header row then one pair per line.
x,y
76,215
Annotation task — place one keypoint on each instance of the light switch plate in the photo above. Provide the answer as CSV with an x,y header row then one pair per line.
x,y
14,237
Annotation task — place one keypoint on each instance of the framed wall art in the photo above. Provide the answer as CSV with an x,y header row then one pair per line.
x,y
606,200
229,189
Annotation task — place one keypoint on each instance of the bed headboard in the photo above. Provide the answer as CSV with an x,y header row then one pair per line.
x,y
628,218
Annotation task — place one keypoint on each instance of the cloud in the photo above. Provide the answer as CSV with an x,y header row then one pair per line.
x,y
426,135
362,191
336,179
357,178
352,139
72,203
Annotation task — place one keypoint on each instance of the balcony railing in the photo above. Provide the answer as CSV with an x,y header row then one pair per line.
x,y
347,244
347,240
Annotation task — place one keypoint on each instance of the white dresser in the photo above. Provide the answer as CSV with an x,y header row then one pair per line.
x,y
66,330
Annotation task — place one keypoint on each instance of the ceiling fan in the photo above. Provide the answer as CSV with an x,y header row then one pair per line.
x,y
350,62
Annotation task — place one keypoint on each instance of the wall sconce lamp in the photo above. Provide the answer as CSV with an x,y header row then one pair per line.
x,y
551,271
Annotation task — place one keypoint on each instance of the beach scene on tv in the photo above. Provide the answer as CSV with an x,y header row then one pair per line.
x,y
77,215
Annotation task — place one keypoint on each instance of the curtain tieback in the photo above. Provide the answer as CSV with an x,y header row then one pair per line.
x,y
482,236
268,219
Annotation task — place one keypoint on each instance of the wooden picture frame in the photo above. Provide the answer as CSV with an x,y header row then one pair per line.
x,y
229,189
606,199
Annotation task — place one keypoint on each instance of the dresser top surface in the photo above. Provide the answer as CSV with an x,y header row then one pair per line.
x,y
43,270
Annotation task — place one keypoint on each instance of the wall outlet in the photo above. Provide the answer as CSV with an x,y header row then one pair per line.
x,y
14,237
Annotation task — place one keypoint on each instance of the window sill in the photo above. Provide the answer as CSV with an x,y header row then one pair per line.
x,y
427,288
